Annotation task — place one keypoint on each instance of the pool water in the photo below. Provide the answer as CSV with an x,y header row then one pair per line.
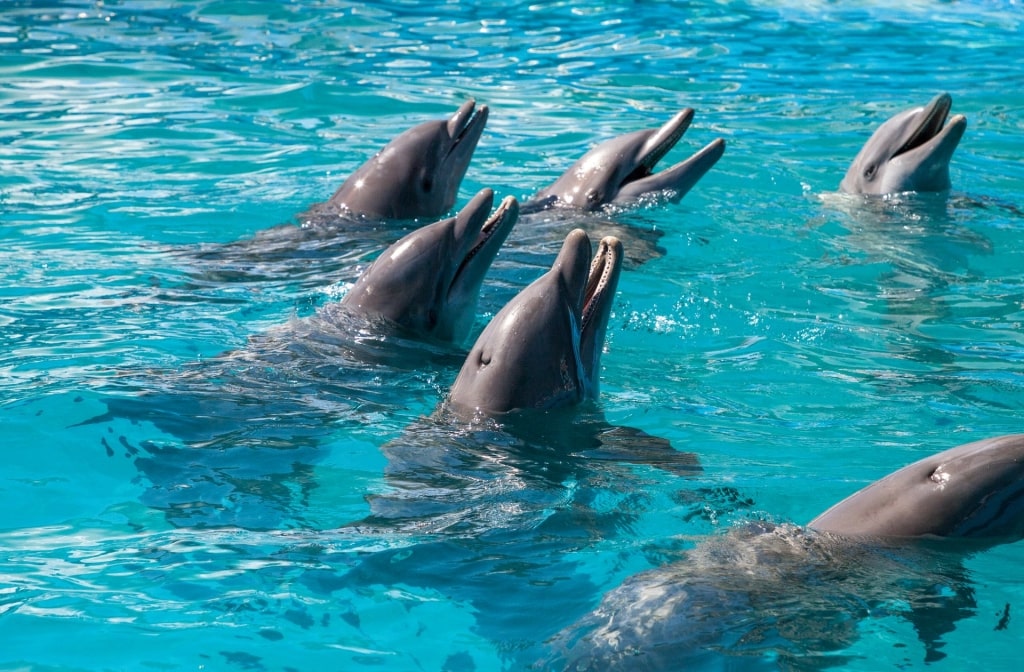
x,y
170,506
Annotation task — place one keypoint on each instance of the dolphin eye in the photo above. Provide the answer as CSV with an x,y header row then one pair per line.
x,y
869,172
593,196
431,318
427,183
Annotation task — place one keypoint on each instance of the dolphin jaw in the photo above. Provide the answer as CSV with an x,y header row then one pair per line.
x,y
597,297
495,228
465,120
662,141
944,140
931,124
657,144
601,268
680,178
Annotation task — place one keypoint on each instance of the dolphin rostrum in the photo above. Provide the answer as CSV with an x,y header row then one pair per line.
x,y
909,152
621,170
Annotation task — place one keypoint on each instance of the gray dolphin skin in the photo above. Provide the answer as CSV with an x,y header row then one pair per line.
x,y
909,152
973,491
418,173
762,592
621,170
543,349
429,281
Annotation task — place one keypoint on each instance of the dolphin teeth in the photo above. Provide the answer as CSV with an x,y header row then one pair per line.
x,y
663,148
601,269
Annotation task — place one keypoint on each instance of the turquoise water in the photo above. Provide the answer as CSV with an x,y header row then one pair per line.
x,y
165,508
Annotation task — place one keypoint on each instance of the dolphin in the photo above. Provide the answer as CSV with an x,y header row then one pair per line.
x,y
974,491
909,152
543,349
418,173
764,592
429,281
415,176
621,170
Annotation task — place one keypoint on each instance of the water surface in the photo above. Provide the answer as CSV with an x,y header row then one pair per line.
x,y
169,507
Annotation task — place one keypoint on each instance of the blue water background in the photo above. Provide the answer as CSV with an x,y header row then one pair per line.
x,y
799,346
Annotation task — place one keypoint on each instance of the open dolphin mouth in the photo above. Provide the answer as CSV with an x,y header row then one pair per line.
x,y
678,179
468,121
603,267
932,124
660,144
501,221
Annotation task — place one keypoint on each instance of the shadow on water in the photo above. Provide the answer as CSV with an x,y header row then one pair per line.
x,y
546,230
446,475
325,247
496,511
305,253
235,438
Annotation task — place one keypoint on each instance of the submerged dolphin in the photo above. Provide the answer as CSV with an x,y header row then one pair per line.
x,y
762,592
543,349
418,173
909,152
428,282
621,170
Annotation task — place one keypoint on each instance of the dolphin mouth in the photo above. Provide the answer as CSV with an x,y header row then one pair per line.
x,y
466,125
933,124
660,144
492,233
601,279
678,179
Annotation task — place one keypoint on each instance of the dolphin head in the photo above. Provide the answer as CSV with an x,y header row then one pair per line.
x,y
418,173
974,491
909,152
429,281
543,349
621,170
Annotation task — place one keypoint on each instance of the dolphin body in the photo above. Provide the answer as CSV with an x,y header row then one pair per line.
x,y
764,593
418,173
973,492
909,152
621,170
